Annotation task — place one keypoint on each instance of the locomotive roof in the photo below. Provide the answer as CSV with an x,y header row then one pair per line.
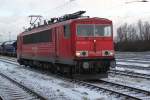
x,y
49,26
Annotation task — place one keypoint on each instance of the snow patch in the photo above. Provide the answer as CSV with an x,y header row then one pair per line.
x,y
133,64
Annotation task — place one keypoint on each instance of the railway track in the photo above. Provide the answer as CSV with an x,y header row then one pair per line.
x,y
116,72
114,89
130,74
127,91
8,58
120,91
133,67
13,90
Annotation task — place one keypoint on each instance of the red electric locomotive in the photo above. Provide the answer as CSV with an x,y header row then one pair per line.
x,y
79,46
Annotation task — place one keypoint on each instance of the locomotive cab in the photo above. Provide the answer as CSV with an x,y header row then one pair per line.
x,y
94,49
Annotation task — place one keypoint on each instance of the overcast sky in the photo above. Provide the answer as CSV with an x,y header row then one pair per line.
x,y
14,13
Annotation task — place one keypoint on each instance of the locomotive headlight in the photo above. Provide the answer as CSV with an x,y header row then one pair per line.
x,y
77,54
111,53
107,53
81,53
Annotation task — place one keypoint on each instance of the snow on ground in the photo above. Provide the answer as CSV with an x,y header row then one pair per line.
x,y
133,55
133,64
133,82
6,88
136,59
134,70
51,87
54,88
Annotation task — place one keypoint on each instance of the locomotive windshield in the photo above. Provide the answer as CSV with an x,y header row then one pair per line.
x,y
94,30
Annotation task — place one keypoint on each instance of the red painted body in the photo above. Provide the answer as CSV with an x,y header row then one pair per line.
x,y
64,49
77,53
84,53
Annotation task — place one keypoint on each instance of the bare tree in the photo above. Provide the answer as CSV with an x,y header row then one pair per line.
x,y
131,37
146,32
119,35
140,28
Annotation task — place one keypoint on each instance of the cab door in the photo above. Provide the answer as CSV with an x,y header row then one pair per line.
x,y
66,51
63,42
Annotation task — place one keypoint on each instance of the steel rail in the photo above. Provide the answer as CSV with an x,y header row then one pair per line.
x,y
133,67
130,74
100,88
24,87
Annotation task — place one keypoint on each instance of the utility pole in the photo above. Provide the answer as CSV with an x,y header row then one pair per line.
x,y
1,38
9,36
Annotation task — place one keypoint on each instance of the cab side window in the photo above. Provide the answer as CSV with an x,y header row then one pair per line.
x,y
67,31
